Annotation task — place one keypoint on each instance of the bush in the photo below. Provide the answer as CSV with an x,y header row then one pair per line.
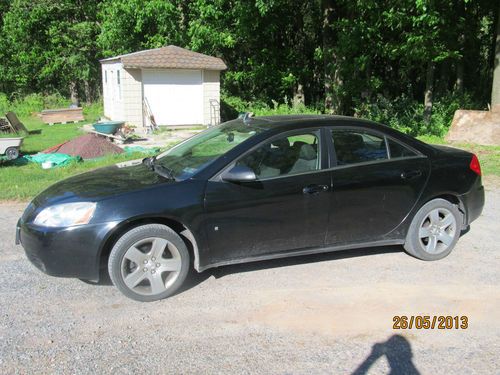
x,y
31,103
231,106
406,115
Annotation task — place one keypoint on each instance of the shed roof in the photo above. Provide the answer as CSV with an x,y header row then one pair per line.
x,y
170,57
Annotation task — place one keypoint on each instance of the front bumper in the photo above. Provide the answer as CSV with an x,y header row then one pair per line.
x,y
65,252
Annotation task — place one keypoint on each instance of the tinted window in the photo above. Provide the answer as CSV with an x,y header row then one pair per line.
x,y
284,156
397,150
358,147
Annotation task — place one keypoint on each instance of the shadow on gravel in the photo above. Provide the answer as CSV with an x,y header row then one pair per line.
x,y
194,278
398,352
303,259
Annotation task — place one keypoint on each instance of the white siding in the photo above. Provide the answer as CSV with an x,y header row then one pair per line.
x,y
175,96
132,96
211,91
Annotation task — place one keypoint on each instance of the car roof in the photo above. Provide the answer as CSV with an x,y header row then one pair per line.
x,y
292,121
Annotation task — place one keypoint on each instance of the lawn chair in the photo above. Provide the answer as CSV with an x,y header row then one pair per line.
x,y
17,125
6,127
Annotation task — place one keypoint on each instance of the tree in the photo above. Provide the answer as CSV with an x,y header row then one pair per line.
x,y
495,90
51,46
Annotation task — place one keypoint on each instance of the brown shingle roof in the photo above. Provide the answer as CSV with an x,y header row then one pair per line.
x,y
171,57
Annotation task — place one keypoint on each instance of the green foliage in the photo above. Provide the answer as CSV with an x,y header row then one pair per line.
x,y
406,115
364,56
26,105
232,106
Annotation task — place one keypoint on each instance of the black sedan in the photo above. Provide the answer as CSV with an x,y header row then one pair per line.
x,y
253,189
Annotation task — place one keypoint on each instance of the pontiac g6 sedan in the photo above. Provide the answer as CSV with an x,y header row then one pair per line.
x,y
253,189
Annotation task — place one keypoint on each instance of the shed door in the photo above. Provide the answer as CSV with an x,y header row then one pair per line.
x,y
175,96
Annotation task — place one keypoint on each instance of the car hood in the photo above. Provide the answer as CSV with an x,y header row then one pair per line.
x,y
101,183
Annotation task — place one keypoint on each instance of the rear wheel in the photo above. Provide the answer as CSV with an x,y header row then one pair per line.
x,y
434,230
149,263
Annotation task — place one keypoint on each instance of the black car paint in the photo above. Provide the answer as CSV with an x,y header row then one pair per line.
x,y
367,204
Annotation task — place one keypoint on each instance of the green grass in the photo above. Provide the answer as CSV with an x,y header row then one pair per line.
x,y
489,156
23,182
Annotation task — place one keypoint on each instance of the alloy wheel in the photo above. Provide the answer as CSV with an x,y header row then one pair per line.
x,y
437,230
150,266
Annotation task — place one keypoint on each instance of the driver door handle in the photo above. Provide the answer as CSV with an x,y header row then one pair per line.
x,y
408,175
314,189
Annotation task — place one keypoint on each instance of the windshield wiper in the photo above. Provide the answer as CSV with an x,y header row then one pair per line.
x,y
149,162
159,169
163,171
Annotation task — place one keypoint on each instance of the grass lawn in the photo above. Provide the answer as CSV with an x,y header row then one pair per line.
x,y
23,182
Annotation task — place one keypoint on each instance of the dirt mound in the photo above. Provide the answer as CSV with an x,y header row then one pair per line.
x,y
88,146
480,127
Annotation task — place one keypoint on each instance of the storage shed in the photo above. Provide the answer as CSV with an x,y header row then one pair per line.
x,y
174,85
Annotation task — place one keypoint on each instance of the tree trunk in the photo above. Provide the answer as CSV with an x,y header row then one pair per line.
x,y
495,90
459,82
429,89
73,92
88,91
298,96
331,62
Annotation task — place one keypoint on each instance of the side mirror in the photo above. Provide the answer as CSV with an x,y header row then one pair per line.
x,y
239,173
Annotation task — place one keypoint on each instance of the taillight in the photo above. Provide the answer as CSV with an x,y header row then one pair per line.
x,y
474,165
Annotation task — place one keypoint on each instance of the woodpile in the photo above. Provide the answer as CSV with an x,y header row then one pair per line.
x,y
62,116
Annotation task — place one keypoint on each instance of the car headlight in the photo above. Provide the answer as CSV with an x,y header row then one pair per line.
x,y
66,215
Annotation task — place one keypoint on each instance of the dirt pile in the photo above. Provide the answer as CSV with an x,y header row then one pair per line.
x,y
88,146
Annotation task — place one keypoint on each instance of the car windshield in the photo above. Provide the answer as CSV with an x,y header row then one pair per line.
x,y
192,155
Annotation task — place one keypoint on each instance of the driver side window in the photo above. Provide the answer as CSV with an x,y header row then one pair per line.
x,y
294,154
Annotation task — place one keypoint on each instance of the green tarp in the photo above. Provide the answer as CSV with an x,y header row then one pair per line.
x,y
57,160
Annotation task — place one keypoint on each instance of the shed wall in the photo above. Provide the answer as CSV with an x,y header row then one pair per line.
x,y
211,92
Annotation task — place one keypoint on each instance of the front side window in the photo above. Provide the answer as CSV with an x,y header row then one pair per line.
x,y
353,147
189,157
288,155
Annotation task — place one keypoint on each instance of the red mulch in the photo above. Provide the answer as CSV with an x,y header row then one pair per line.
x,y
88,146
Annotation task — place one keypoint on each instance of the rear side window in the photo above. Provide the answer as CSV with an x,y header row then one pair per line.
x,y
397,150
353,147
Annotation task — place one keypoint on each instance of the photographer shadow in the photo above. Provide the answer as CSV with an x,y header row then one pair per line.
x,y
398,352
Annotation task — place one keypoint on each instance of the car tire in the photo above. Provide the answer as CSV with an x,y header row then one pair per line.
x,y
149,263
434,230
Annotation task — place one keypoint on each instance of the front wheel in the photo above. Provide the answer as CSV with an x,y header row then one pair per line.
x,y
149,263
434,230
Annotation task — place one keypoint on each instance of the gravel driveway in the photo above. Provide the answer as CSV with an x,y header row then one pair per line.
x,y
314,314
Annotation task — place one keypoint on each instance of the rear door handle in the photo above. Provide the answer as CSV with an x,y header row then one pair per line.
x,y
314,189
408,175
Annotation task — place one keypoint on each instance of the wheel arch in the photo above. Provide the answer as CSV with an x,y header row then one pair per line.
x,y
181,229
451,197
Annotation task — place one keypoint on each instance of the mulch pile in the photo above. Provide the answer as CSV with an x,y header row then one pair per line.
x,y
88,146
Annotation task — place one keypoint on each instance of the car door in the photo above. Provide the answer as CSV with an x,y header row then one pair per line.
x,y
286,208
376,182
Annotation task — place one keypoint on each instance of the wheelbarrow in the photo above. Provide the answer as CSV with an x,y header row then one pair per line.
x,y
10,147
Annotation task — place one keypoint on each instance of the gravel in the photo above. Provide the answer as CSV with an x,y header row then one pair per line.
x,y
314,314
